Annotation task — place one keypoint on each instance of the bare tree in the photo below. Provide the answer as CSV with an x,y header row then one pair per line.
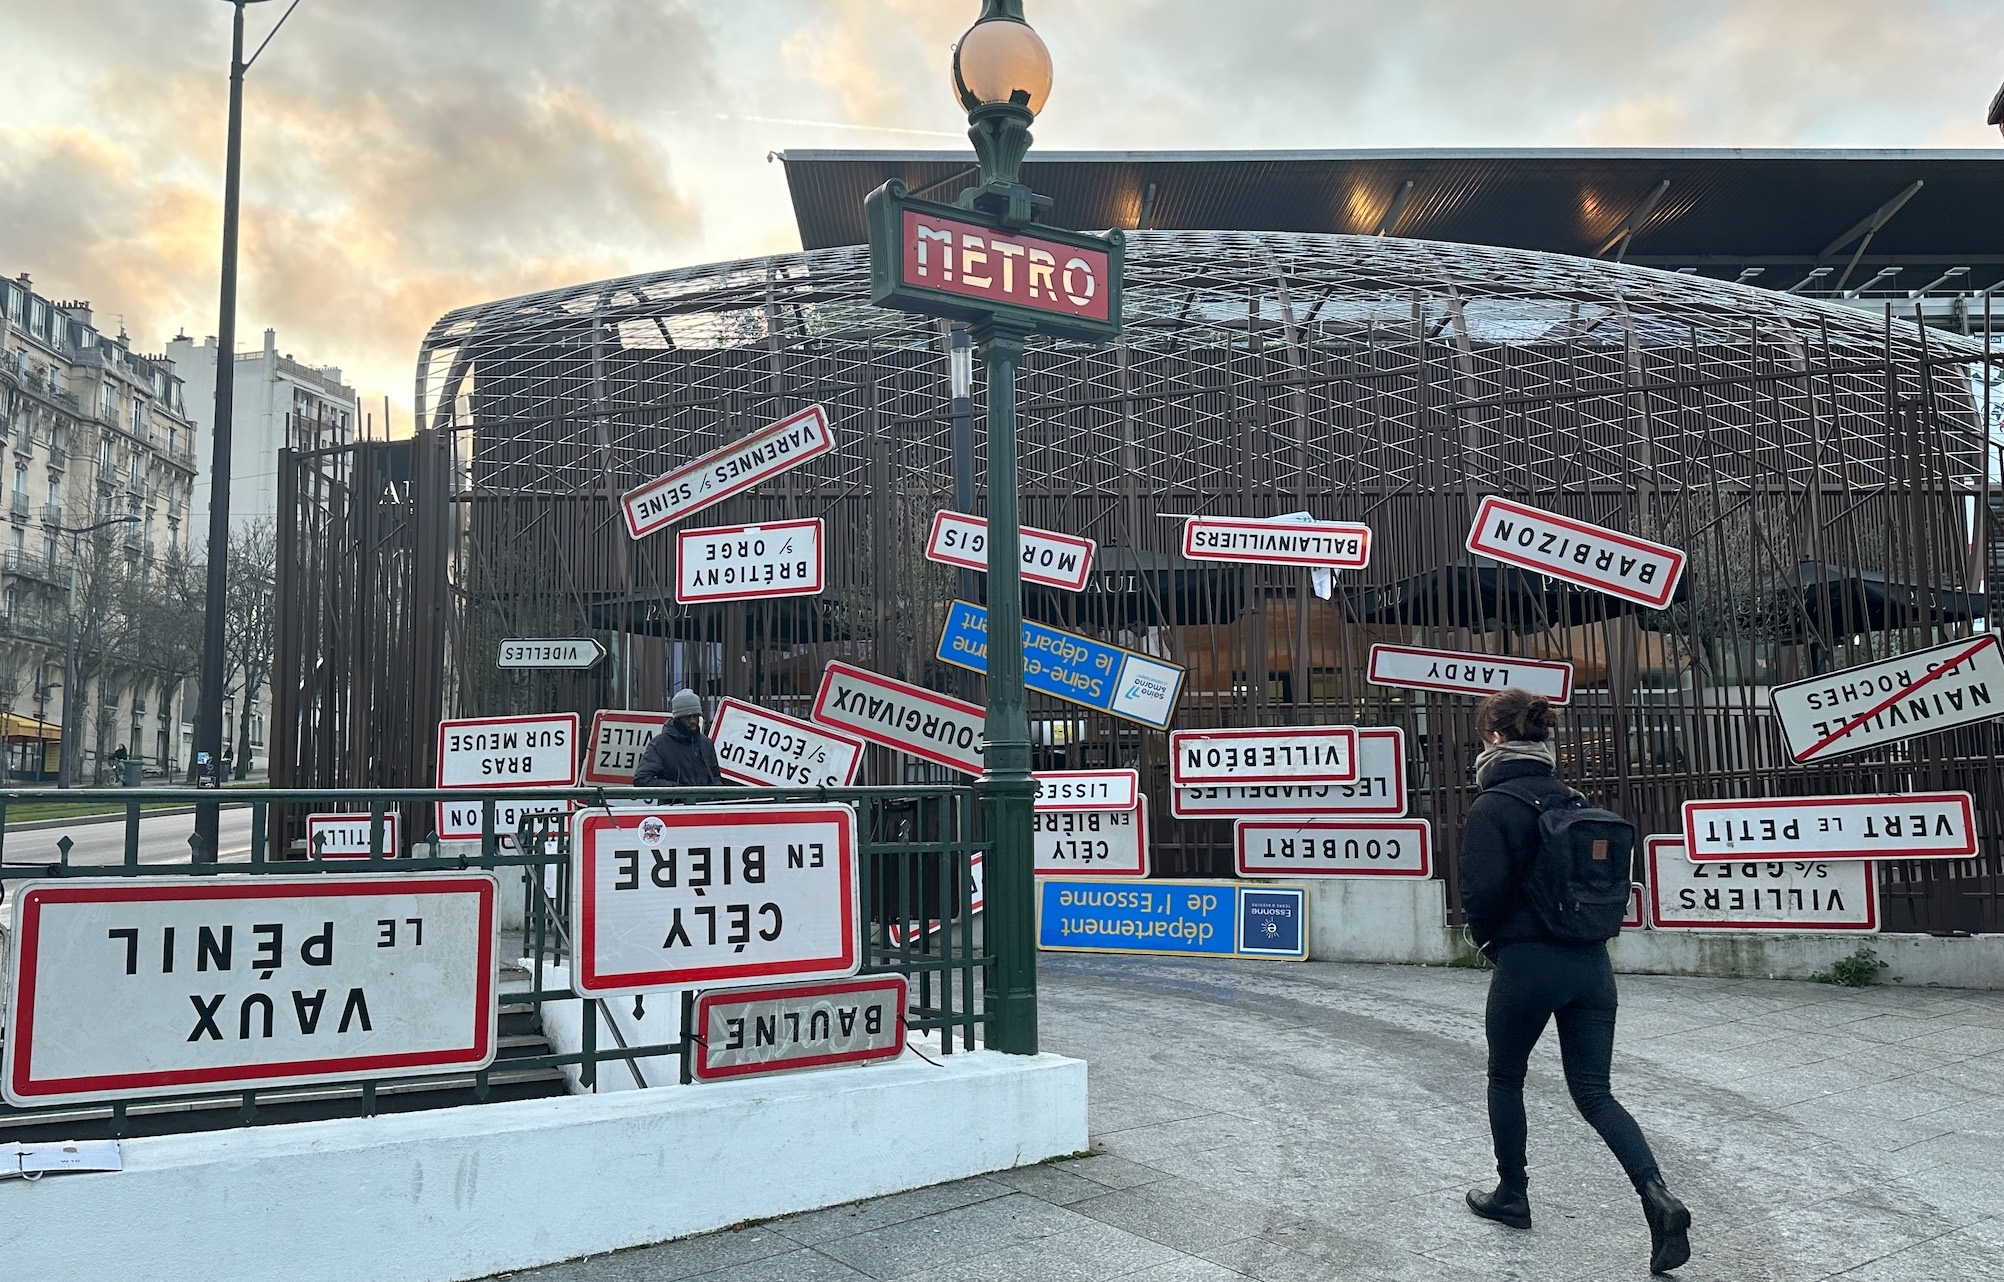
x,y
250,633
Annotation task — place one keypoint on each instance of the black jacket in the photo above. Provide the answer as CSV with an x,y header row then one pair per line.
x,y
1497,844
678,758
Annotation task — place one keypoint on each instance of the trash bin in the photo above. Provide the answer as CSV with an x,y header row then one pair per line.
x,y
129,772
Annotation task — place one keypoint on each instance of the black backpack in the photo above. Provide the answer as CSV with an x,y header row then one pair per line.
x,y
1577,883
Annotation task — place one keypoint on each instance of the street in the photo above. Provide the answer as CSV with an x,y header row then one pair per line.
x,y
163,839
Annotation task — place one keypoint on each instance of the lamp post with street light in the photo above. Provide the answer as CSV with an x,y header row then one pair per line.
x,y
65,764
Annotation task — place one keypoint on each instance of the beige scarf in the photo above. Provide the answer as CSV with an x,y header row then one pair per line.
x,y
1544,751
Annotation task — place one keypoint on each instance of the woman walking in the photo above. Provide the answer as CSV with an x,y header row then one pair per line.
x,y
1545,970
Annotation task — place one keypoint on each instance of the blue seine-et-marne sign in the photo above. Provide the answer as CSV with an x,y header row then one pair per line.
x,y
1071,667
1192,918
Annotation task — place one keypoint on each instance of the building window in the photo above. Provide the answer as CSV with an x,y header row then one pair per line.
x,y
21,483
19,540
107,402
55,490
138,417
49,548
38,318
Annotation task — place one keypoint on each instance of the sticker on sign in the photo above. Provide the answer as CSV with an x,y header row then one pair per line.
x,y
179,985
727,470
1591,556
749,562
773,750
775,1030
1458,672
1335,545
619,737
1915,825
1378,789
1090,843
1087,789
1334,847
1050,558
901,716
713,895
1918,693
346,836
1263,754
1759,894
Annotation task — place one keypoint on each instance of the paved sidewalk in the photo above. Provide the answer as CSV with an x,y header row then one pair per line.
x,y
1321,1121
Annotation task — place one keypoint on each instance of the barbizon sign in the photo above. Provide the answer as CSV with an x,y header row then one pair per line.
x,y
713,895
1052,559
1915,825
346,836
1262,754
771,1030
1378,789
942,260
1091,843
1334,847
553,652
179,985
1592,556
1757,895
492,753
748,562
727,470
771,749
619,737
1458,672
901,716
1879,703
1333,545
1087,789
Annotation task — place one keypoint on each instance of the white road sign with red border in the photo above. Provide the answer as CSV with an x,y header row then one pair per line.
x,y
749,562
727,470
713,896
1332,545
190,985
1592,556
901,716
1918,693
1758,894
1050,558
1327,847
1914,825
500,753
1459,672
1091,843
1379,788
346,835
1262,754
773,750
747,1031
619,737
1087,789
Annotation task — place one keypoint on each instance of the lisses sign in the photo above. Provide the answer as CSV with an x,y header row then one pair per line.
x,y
1334,545
1458,672
1591,556
1916,825
773,750
1052,559
1917,693
1253,755
749,562
727,470
901,716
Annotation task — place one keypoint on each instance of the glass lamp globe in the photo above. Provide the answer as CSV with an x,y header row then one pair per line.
x,y
1001,60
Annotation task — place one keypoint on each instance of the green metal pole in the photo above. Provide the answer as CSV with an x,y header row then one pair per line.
x,y
1011,889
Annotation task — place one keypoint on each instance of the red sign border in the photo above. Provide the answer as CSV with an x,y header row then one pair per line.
x,y
1029,576
1134,777
590,983
1654,907
1459,656
29,897
1140,813
655,719
1190,525
391,844
1493,501
1247,732
709,997
1241,826
1398,778
815,727
1967,801
820,528
938,759
774,428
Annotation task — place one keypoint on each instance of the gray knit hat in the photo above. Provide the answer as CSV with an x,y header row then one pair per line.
x,y
685,704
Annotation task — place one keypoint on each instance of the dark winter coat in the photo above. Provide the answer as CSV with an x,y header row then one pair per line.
x,y
678,758
1497,844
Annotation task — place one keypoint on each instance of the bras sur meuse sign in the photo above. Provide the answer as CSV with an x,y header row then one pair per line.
x,y
942,260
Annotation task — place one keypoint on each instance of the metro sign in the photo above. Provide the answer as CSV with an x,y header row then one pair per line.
x,y
942,260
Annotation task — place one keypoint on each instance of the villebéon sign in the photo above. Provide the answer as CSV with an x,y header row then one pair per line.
x,y
178,985
619,737
713,895
749,562
1592,556
1052,559
1378,789
1329,847
1336,545
727,470
901,716
1262,754
773,750
489,753
1091,843
1757,895
1458,672
1917,825
1917,693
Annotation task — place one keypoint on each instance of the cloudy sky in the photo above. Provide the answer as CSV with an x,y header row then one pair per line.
x,y
404,157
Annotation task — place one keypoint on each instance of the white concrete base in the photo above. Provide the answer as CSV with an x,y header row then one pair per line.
x,y
1378,919
462,1193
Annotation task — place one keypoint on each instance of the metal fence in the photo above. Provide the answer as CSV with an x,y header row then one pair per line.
x,y
920,856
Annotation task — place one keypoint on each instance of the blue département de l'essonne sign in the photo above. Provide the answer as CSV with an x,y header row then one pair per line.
x,y
1071,667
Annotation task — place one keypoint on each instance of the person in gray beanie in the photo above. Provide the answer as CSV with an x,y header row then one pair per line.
x,y
680,756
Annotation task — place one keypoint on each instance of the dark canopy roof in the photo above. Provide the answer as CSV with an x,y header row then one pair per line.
x,y
1719,211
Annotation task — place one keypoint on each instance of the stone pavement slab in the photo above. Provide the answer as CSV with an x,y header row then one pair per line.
x,y
1303,1123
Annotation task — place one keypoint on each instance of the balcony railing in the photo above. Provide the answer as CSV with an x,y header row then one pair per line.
x,y
17,505
32,565
52,513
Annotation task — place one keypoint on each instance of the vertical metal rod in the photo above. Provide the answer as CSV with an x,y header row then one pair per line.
x,y
687,1038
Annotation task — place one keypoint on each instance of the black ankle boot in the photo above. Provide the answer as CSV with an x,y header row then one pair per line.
x,y
1669,1227
1506,1205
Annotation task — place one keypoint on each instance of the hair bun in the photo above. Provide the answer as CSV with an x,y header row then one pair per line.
x,y
1517,714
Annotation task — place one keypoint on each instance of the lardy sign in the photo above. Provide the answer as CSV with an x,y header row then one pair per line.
x,y
941,260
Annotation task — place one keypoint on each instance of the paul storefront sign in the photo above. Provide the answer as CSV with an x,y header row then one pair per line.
x,y
728,470
1458,672
1379,788
773,750
1917,825
178,985
1332,545
1591,556
499,753
1334,847
1052,559
1757,894
713,896
1087,789
901,716
1939,688
346,836
619,738
1091,843
774,1030
1277,754
749,562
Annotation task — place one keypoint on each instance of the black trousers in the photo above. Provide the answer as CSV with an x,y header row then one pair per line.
x,y
1535,983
